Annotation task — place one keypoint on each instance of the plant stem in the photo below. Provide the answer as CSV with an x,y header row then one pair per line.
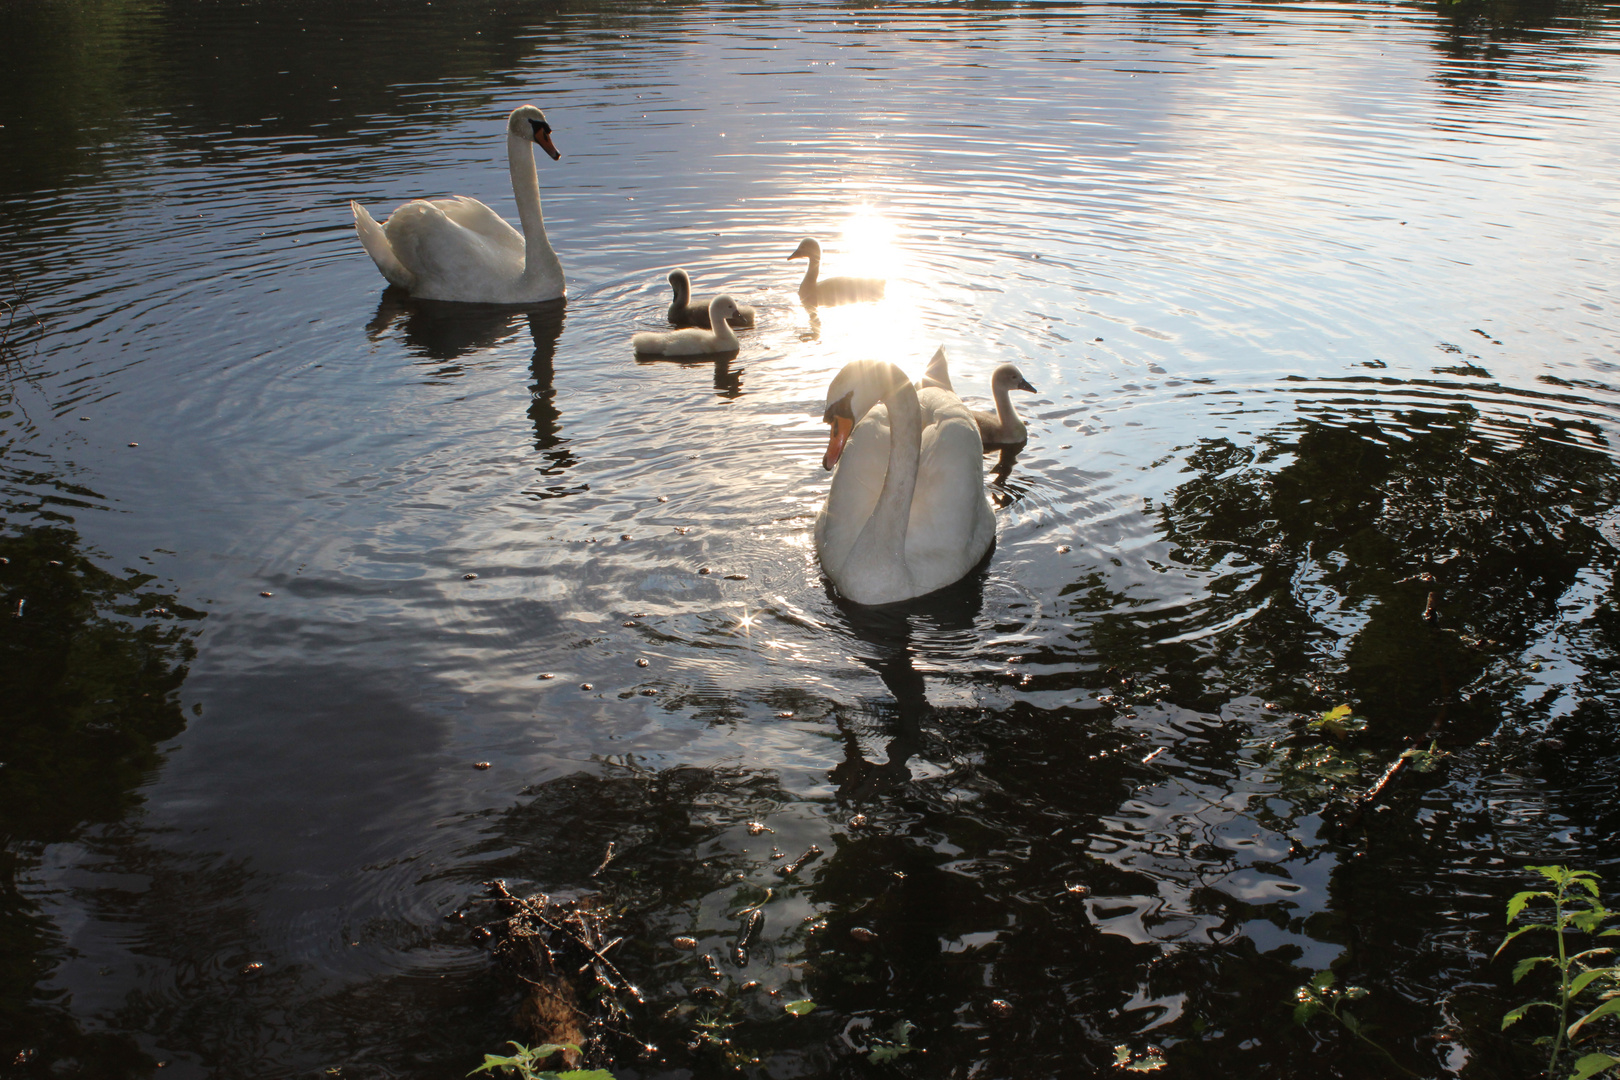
x,y
1563,983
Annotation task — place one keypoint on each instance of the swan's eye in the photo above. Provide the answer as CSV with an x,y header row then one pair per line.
x,y
540,127
839,408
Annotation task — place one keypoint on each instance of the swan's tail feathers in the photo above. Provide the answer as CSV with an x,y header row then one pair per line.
x,y
375,241
937,373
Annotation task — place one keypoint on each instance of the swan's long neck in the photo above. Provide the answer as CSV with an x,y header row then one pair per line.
x,y
810,274
538,258
725,338
883,541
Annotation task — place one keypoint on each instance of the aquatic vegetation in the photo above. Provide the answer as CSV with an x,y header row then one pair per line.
x,y
523,1063
1574,916
1320,996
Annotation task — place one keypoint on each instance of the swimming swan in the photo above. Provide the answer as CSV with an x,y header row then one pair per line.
x,y
459,249
906,513
1004,427
692,341
836,290
685,311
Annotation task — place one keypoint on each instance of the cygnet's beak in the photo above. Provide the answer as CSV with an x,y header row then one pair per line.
x,y
1023,384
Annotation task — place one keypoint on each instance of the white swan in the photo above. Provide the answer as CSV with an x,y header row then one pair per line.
x,y
692,341
835,290
685,311
459,249
906,513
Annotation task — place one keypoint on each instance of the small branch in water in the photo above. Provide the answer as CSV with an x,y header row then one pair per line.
x,y
794,867
606,858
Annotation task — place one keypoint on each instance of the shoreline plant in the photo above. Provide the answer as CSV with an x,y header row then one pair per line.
x,y
1577,911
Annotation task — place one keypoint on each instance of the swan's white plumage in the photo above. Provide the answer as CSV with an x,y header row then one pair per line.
x,y
457,248
945,526
693,341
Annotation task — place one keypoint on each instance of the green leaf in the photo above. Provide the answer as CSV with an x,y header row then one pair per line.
x,y
1608,1008
1586,978
583,1074
1321,981
1517,904
1514,934
1349,1020
1305,1010
1522,968
802,1007
1591,1065
1515,1015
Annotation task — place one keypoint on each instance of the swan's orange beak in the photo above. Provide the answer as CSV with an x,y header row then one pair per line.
x,y
841,427
543,137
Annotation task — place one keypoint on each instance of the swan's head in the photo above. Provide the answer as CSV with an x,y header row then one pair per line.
x,y
721,308
807,249
1008,376
853,392
529,124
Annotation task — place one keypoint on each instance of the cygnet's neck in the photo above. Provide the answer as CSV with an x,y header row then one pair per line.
x,y
810,273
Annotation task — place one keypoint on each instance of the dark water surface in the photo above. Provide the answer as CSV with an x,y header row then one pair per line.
x,y
1318,299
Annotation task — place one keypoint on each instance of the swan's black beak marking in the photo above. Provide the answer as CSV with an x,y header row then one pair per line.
x,y
1023,384
542,135
842,418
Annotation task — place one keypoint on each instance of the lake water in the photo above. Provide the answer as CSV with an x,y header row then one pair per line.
x,y
1318,299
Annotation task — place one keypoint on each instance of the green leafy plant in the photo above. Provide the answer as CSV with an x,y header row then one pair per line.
x,y
880,1050
1320,996
1577,910
1338,722
527,1059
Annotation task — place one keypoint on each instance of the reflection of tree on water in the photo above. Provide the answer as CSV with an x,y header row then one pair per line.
x,y
90,665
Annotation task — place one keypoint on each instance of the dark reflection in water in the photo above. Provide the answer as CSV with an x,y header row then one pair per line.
x,y
90,668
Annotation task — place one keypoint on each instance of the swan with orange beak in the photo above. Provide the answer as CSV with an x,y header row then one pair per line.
x,y
906,512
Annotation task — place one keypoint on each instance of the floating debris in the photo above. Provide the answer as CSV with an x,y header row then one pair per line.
x,y
663,498
707,993
685,944
784,715
629,622
711,968
1076,889
607,857
134,444
267,594
586,686
249,969
641,661
736,577
480,765
797,864
752,922
858,821
649,692
1001,1007
573,994
543,676
705,570
469,577
755,828
1063,549
625,536
862,934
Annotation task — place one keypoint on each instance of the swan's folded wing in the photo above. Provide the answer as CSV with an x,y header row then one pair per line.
x,y
475,217
951,526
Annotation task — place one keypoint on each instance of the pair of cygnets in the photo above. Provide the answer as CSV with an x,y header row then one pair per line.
x,y
708,323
